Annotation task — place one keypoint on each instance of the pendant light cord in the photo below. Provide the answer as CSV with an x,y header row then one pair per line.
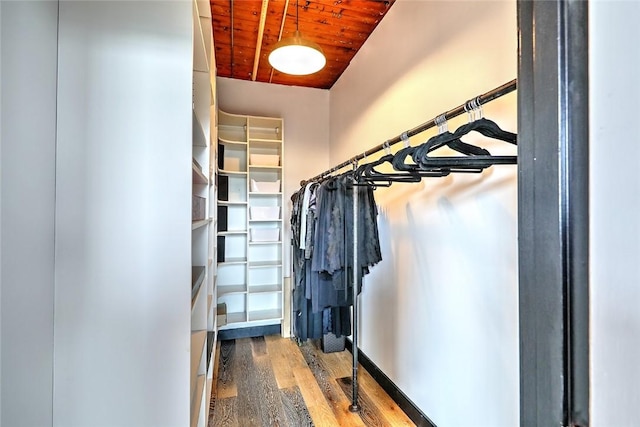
x,y
231,59
297,17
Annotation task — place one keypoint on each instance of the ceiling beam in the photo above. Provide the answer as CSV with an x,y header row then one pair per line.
x,y
263,18
284,18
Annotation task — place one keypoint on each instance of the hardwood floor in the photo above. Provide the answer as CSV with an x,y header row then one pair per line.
x,y
271,381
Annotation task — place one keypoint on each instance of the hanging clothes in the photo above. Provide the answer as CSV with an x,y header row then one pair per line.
x,y
322,229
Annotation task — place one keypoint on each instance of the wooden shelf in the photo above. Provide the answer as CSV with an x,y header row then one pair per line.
x,y
229,142
199,223
198,176
228,172
227,203
211,342
231,290
263,135
236,317
196,404
232,233
265,264
257,289
274,314
221,316
233,261
198,339
265,143
276,242
264,220
266,168
197,278
260,193
199,138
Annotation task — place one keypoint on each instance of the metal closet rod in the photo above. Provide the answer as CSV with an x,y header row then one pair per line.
x,y
482,99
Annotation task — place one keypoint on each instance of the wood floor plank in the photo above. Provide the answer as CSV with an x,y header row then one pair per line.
x,y
379,397
289,347
337,363
294,408
258,346
224,414
319,409
383,402
280,357
272,339
330,389
297,359
273,409
248,406
368,411
226,385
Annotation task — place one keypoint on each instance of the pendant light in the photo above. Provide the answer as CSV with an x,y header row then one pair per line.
x,y
297,56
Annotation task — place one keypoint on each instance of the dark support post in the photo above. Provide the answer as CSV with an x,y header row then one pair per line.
x,y
553,227
354,407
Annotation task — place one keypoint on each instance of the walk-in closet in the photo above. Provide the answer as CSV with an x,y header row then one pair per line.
x,y
437,227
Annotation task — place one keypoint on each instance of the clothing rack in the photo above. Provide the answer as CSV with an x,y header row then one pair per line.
x,y
461,109
353,161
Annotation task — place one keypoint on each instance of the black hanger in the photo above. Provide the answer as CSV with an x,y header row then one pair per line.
x,y
399,160
476,158
484,126
444,137
449,139
370,173
473,163
360,175
488,128
367,172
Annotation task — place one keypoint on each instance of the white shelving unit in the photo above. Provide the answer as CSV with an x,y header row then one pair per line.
x,y
203,328
250,222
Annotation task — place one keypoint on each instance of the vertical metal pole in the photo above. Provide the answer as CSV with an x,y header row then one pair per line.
x,y
354,407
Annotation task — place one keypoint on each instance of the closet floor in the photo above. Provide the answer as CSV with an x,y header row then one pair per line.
x,y
271,381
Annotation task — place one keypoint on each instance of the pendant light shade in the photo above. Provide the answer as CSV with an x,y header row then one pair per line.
x,y
296,55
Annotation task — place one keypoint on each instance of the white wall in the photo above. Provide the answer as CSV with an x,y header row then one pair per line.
x,y
123,191
306,127
306,121
439,313
27,177
614,204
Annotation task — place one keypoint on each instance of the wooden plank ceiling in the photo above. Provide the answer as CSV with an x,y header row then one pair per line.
x,y
340,27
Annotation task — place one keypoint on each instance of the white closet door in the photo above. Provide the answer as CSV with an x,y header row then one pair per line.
x,y
123,220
